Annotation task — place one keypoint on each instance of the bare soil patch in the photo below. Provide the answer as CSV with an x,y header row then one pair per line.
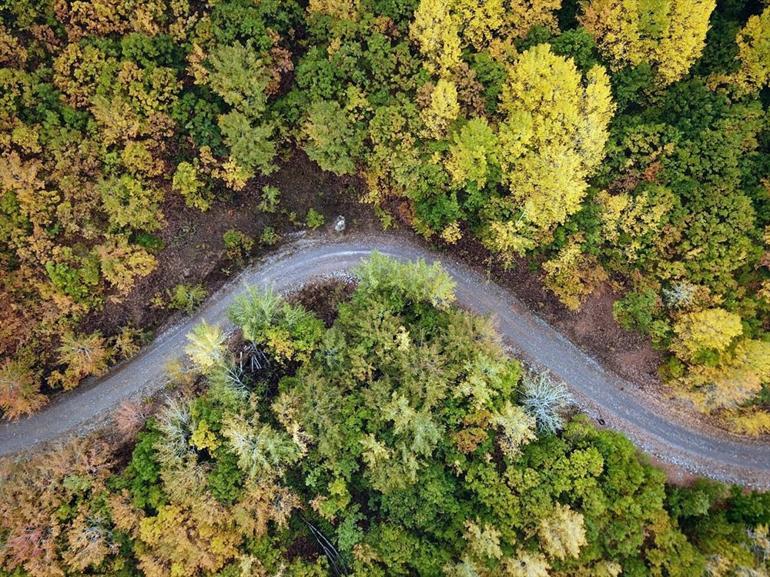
x,y
194,251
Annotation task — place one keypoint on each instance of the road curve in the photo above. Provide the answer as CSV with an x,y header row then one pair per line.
x,y
599,392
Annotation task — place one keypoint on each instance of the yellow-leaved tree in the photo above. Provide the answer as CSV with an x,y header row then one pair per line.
x,y
443,108
552,138
669,35
754,53
443,28
710,330
435,29
339,9
488,23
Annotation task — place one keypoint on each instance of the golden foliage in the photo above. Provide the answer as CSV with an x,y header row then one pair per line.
x,y
710,329
443,108
754,422
435,29
735,380
669,36
337,9
553,137
180,541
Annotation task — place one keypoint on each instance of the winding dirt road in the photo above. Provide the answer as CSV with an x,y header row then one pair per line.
x,y
600,393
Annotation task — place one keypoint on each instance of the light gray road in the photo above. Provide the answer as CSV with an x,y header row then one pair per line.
x,y
601,394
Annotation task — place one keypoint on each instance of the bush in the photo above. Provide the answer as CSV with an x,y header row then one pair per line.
x,y
269,237
314,219
186,297
270,198
187,183
238,245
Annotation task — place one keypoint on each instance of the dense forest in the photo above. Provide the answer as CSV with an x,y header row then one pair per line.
x,y
606,141
383,433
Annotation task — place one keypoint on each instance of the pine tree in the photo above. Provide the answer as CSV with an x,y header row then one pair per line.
x,y
206,346
84,355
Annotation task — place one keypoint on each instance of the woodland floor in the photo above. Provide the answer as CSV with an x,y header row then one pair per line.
x,y
194,251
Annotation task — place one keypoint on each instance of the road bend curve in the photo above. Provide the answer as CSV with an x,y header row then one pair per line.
x,y
600,393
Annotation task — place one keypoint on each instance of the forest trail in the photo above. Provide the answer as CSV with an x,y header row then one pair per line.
x,y
601,394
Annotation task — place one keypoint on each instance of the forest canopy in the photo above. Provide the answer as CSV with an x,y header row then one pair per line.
x,y
605,142
396,438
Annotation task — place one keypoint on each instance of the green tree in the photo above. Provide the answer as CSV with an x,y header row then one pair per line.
x,y
240,77
331,137
131,204
473,155
251,145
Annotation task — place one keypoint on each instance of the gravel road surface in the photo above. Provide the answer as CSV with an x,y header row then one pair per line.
x,y
601,394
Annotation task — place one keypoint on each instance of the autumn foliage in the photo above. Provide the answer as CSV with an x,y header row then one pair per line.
x,y
403,441
621,140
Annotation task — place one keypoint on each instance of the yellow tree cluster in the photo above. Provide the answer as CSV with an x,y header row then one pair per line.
x,y
442,28
754,53
725,369
669,35
553,136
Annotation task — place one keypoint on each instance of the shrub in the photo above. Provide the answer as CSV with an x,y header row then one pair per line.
x,y
270,198
186,182
269,237
238,245
314,219
185,297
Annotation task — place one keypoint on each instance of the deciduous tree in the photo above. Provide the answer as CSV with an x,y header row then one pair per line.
x,y
552,139
669,36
